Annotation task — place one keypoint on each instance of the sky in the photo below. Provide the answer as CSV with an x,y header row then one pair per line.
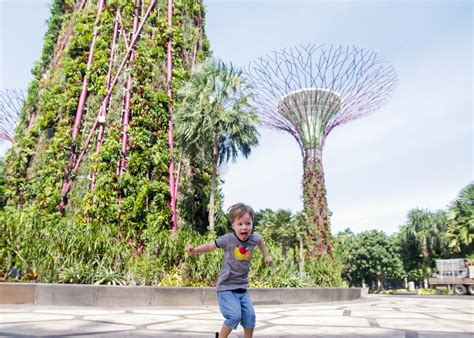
x,y
414,152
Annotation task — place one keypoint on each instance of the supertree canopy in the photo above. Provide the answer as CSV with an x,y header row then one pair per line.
x,y
11,101
307,91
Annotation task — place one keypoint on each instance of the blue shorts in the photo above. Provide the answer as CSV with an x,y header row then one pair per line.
x,y
236,307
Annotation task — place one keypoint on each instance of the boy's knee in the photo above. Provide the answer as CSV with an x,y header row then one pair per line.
x,y
233,320
248,319
235,317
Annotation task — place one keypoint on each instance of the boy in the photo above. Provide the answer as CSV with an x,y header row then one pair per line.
x,y
234,301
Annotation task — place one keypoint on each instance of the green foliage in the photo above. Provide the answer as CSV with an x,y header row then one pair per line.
x,y
285,235
214,108
325,272
51,249
214,121
3,185
427,236
434,292
460,231
282,227
373,257
421,240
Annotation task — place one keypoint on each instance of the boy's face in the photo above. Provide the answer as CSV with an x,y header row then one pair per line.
x,y
243,226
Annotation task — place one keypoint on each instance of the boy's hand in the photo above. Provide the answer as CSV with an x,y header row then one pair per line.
x,y
190,249
268,261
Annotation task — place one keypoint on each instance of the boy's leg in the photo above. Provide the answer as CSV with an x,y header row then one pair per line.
x,y
225,331
248,315
248,333
229,304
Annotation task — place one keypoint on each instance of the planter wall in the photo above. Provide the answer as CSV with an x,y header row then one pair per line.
x,y
103,295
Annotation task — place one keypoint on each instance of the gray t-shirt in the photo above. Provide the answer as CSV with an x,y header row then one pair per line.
x,y
236,265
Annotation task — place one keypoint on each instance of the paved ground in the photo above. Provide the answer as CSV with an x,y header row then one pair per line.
x,y
375,316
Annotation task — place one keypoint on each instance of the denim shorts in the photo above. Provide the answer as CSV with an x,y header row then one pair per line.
x,y
236,307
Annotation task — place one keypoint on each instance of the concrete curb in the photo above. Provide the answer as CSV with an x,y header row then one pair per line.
x,y
104,295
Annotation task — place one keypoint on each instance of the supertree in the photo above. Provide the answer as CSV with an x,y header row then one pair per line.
x,y
94,138
11,101
307,91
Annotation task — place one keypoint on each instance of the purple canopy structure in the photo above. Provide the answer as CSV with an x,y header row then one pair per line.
x,y
11,101
307,91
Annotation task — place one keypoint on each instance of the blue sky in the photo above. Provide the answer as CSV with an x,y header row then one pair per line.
x,y
416,151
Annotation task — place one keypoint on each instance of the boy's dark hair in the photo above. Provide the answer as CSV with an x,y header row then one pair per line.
x,y
238,210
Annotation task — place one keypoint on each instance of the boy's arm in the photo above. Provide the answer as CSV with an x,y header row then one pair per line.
x,y
202,248
266,256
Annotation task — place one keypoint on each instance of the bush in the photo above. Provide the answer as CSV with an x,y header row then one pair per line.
x,y
49,248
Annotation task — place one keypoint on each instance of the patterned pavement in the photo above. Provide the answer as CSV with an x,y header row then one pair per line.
x,y
375,316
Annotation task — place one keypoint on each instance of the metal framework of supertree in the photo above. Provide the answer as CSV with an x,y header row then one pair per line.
x,y
11,101
307,91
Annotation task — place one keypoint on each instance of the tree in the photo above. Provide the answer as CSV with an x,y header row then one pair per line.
x,y
341,249
419,224
422,239
307,91
439,241
215,118
85,66
374,259
461,222
286,229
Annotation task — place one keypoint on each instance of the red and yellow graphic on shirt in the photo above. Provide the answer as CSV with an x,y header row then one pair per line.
x,y
241,253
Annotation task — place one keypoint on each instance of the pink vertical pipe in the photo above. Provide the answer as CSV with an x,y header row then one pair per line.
x,y
122,31
177,179
169,76
103,112
32,119
67,183
56,59
128,95
83,96
80,109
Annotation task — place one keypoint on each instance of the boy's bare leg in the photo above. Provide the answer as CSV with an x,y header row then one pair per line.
x,y
248,333
225,331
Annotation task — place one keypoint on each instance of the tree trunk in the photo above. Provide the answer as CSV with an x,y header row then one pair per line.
x,y
315,203
215,153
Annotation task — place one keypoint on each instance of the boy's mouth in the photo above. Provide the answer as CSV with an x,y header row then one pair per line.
x,y
244,234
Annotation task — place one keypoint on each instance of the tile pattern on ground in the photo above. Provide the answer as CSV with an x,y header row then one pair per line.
x,y
375,316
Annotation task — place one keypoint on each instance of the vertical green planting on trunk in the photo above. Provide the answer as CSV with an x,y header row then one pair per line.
x,y
315,203
130,205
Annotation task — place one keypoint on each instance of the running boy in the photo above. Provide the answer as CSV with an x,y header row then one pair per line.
x,y
234,301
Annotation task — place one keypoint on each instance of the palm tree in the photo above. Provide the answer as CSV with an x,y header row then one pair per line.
x,y
420,224
215,118
286,229
461,222
439,242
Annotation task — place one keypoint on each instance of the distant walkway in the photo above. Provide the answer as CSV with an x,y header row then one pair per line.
x,y
375,316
